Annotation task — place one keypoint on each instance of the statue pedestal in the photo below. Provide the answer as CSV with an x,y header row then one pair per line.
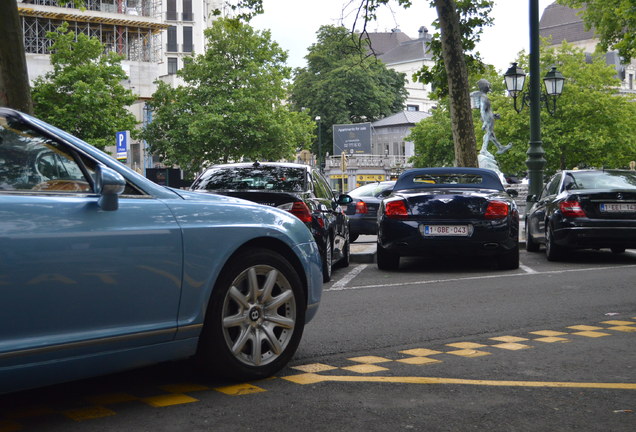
x,y
487,160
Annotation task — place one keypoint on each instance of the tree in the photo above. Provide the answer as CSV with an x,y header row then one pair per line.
x,y
231,106
614,21
343,85
83,94
15,91
594,125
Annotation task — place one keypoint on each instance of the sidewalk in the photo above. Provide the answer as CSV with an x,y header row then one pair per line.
x,y
364,248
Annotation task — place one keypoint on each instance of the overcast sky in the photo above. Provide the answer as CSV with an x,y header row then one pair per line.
x,y
294,24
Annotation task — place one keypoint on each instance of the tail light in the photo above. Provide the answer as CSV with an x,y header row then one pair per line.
x,y
572,209
301,211
361,208
497,210
396,209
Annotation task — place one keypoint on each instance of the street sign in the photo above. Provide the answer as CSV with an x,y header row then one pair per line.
x,y
122,139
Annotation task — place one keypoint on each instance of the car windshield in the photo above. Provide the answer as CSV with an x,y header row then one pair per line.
x,y
600,180
262,177
370,190
448,177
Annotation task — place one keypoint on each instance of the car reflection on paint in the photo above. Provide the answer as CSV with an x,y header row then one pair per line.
x,y
448,211
102,270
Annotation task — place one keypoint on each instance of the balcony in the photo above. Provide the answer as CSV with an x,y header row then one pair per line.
x,y
369,161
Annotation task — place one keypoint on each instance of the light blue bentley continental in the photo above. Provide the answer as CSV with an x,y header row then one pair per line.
x,y
103,270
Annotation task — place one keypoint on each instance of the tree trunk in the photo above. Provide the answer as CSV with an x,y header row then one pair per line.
x,y
15,91
458,89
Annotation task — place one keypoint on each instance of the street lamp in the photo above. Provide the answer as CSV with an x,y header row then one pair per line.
x,y
515,78
319,144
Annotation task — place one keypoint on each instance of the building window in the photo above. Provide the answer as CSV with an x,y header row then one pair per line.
x,y
412,107
171,11
187,39
187,10
172,39
172,65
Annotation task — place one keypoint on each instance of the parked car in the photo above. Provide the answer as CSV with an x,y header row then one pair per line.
x,y
580,209
448,211
363,210
299,189
102,270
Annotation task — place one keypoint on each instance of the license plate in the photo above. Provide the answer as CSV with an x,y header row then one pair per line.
x,y
618,208
446,230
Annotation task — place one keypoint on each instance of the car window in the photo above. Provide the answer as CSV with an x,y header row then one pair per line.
x,y
601,180
321,187
552,187
30,161
256,177
371,190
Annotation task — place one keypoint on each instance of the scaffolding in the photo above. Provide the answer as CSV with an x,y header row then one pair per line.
x,y
129,27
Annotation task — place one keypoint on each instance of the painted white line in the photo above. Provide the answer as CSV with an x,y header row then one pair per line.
x,y
526,269
342,287
348,277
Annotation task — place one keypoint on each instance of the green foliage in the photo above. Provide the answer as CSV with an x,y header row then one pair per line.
x,y
342,85
231,106
83,94
614,21
594,125
473,17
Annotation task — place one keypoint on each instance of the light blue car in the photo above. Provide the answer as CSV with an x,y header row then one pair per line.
x,y
103,270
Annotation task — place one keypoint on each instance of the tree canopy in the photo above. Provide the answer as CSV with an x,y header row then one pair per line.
x,y
594,125
614,22
231,105
342,84
83,94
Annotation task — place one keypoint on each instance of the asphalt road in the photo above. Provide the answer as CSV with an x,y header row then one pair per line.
x,y
436,346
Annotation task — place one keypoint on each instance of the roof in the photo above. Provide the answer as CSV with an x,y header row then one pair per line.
x,y
401,118
382,43
563,23
407,51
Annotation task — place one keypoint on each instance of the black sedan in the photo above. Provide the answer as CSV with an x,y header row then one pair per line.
x,y
363,211
448,211
299,189
584,209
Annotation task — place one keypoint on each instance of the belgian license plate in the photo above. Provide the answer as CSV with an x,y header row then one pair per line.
x,y
445,230
618,208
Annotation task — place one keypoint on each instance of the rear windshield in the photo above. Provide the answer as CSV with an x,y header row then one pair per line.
x,y
371,189
462,178
600,180
278,178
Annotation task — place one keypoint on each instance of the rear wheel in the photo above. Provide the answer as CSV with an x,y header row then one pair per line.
x,y
326,261
346,256
509,260
255,318
531,243
387,260
553,251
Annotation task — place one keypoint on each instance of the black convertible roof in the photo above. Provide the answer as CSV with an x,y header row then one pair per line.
x,y
457,177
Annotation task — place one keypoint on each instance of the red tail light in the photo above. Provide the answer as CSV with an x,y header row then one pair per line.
x,y
572,209
301,211
497,210
396,210
361,208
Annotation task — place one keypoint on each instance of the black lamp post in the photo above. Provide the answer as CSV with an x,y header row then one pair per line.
x,y
319,144
515,78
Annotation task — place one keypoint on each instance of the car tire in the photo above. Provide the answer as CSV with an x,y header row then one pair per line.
x,y
531,243
509,260
327,261
553,251
387,260
258,297
346,256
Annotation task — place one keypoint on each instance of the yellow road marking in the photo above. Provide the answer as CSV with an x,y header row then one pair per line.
x,y
240,389
420,352
89,413
315,378
168,400
370,359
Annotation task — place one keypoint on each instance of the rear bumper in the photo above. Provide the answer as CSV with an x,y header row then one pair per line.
x,y
582,237
363,225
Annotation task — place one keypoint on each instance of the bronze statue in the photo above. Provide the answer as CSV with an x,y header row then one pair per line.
x,y
488,117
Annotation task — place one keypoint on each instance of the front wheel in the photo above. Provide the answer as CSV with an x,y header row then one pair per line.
x,y
553,251
327,259
531,243
255,318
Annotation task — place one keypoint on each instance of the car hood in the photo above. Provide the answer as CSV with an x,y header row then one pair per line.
x,y
207,196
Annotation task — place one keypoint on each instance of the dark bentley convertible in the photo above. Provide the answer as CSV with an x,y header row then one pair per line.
x,y
454,211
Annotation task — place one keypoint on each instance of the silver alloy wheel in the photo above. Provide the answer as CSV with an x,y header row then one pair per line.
x,y
258,315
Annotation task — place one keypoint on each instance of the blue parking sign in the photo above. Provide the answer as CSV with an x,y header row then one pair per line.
x,y
122,139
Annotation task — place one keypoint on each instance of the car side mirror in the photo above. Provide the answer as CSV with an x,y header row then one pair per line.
x,y
109,184
532,198
344,199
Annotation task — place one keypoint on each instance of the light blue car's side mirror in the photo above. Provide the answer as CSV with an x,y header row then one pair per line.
x,y
109,184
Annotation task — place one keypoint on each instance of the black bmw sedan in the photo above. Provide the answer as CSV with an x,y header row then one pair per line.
x,y
448,211
584,209
299,189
